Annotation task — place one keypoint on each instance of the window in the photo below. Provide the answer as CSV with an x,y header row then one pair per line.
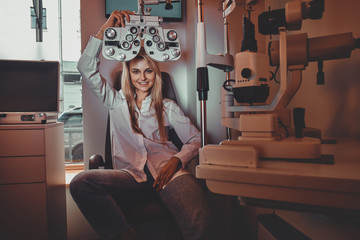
x,y
73,135
71,99
61,43
33,18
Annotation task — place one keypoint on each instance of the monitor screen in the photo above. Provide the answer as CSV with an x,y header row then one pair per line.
x,y
156,10
29,86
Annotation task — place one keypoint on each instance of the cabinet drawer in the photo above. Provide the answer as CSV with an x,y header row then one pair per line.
x,y
23,211
22,169
22,143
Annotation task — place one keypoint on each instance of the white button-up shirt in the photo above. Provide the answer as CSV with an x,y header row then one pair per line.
x,y
131,151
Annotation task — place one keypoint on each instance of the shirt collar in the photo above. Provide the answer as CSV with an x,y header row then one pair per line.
x,y
149,97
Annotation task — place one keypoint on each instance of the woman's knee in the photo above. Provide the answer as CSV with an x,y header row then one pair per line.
x,y
80,182
185,194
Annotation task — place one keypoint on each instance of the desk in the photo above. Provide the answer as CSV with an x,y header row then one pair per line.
x,y
328,185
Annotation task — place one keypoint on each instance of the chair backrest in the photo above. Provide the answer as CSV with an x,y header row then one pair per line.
x,y
168,92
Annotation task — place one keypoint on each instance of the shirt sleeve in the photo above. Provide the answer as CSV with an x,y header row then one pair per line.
x,y
186,131
88,66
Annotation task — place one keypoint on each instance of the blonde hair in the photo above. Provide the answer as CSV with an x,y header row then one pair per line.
x,y
156,94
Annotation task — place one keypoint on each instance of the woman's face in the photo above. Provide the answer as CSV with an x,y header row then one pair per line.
x,y
141,75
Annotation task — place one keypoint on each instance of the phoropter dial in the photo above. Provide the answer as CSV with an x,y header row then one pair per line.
x,y
161,46
172,35
125,45
129,37
156,38
110,33
133,30
152,31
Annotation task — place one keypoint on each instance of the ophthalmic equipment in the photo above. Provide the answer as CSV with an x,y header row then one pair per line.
x,y
143,30
261,136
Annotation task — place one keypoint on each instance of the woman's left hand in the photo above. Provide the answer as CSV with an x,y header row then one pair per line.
x,y
166,173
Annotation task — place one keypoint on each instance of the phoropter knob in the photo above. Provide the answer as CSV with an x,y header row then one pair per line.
x,y
175,52
161,46
172,35
133,30
165,57
121,57
129,37
152,31
109,51
125,45
156,38
110,33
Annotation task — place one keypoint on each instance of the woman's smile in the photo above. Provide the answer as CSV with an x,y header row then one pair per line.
x,y
143,83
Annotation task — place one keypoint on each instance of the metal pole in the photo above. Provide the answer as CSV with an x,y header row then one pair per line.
x,y
226,51
61,107
200,11
39,15
141,7
203,123
202,79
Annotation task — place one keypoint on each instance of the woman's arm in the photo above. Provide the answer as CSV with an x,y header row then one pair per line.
x,y
88,64
191,138
187,133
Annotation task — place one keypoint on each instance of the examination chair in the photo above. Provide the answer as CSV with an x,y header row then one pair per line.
x,y
151,220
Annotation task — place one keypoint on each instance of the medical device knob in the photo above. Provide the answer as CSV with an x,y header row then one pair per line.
x,y
152,31
110,33
172,35
134,30
161,46
125,45
121,57
175,52
110,51
246,73
165,57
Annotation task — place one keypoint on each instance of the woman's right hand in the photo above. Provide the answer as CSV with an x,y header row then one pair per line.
x,y
116,19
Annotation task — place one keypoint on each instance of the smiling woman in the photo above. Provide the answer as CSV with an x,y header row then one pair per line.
x,y
146,163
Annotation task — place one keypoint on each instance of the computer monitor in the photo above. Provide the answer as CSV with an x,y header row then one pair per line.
x,y
173,15
29,86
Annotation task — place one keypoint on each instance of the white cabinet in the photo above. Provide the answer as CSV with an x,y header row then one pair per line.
x,y
32,182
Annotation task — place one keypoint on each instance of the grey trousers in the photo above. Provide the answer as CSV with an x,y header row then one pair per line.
x,y
101,194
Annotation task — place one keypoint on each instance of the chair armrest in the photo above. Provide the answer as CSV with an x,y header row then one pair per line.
x,y
96,161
